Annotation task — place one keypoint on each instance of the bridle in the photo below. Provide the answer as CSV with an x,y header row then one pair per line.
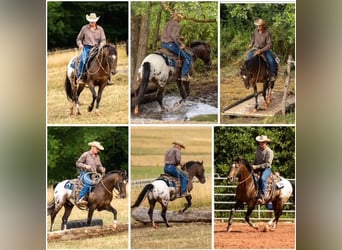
x,y
244,180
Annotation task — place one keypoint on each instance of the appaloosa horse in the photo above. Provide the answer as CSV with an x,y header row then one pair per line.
x,y
98,71
163,67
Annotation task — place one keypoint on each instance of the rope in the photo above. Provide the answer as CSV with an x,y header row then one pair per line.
x,y
89,179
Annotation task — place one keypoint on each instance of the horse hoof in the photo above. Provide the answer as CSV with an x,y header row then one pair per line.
x,y
255,110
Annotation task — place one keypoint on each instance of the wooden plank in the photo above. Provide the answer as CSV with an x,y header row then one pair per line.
x,y
246,109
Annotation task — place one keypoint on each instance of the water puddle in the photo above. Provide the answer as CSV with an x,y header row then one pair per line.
x,y
190,110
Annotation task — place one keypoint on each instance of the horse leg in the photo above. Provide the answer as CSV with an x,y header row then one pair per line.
x,y
98,99
163,215
90,216
278,210
77,103
53,216
115,214
150,211
231,216
93,93
160,95
256,97
187,205
67,212
248,214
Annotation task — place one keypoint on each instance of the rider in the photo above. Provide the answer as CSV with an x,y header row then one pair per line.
x,y
262,163
171,41
172,160
262,42
91,35
89,162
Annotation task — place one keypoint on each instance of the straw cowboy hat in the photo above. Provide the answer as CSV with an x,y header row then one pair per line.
x,y
92,17
260,22
96,144
261,138
178,15
179,143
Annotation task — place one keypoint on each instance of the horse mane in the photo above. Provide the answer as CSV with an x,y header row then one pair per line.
x,y
197,43
113,172
244,161
190,163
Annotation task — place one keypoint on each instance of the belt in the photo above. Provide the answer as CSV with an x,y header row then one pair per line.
x,y
166,163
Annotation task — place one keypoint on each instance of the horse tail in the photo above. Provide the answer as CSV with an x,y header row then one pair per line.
x,y
68,87
142,195
51,204
146,70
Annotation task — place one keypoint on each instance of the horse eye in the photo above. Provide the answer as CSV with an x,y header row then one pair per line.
x,y
244,76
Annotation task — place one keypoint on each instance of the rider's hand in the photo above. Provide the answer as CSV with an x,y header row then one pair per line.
x,y
255,167
182,46
258,51
80,47
88,168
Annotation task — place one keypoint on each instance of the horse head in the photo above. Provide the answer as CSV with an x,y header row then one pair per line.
x,y
245,75
111,54
234,171
196,168
121,187
201,50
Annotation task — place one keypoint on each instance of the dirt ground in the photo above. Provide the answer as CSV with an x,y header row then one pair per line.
x,y
245,237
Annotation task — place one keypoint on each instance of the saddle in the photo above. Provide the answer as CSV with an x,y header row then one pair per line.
x,y
171,182
170,58
273,182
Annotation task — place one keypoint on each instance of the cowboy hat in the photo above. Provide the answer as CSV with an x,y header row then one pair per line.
x,y
92,17
178,15
261,138
96,144
260,22
179,143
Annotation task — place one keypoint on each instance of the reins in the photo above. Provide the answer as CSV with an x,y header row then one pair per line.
x,y
99,63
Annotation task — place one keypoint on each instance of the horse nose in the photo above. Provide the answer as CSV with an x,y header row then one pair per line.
x,y
114,72
230,178
123,196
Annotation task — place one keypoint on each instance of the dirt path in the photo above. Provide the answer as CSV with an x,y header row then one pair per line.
x,y
245,237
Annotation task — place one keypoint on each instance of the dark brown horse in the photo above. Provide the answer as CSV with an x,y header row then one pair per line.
x,y
98,70
246,191
163,191
99,199
255,70
162,69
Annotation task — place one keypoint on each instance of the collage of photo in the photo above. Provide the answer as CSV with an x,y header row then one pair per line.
x,y
171,125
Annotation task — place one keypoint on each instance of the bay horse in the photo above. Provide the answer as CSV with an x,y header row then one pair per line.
x,y
98,71
163,191
246,191
162,69
256,70
99,199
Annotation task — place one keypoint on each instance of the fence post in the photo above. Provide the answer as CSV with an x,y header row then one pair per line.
x,y
287,81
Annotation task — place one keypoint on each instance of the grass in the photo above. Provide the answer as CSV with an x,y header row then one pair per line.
x,y
119,240
114,101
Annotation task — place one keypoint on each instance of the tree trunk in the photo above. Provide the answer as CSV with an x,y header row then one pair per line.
x,y
135,24
156,37
140,214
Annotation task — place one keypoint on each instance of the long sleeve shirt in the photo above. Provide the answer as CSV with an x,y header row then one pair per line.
x,y
262,40
87,158
263,158
91,37
173,156
171,32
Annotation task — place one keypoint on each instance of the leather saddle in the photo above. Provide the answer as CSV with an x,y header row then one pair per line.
x,y
171,182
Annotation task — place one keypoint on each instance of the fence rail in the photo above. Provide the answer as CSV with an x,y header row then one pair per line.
x,y
258,213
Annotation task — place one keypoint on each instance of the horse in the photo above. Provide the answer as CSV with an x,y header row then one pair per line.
x,y
162,68
99,199
163,191
98,71
246,191
256,70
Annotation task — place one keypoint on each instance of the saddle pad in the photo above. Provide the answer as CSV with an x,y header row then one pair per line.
x,y
168,61
69,185
168,182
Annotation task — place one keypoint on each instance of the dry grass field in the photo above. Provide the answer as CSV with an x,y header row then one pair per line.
x,y
116,241
148,146
114,101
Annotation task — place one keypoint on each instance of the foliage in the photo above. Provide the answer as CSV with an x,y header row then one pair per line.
x,y
65,19
233,142
199,23
237,26
66,144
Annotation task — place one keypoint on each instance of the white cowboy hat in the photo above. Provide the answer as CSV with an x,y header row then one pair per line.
x,y
260,22
179,143
96,144
261,138
92,17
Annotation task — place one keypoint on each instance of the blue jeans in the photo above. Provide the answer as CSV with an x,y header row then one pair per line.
x,y
265,174
84,56
269,58
86,188
173,170
178,51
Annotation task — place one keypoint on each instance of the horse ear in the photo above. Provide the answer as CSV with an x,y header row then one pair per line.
x,y
202,162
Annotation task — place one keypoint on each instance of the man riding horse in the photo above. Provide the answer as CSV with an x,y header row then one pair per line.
x,y
171,41
262,44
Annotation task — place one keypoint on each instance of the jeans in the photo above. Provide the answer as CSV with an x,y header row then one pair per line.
x,y
265,174
84,56
178,51
270,59
175,172
86,188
